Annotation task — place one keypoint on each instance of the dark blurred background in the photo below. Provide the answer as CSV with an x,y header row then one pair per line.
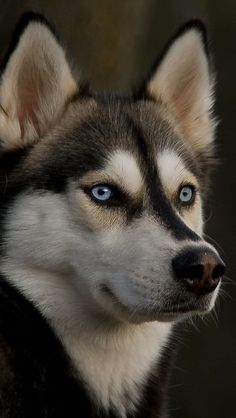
x,y
114,43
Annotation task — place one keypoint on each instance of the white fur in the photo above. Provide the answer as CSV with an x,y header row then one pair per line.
x,y
119,364
113,357
172,170
124,170
173,174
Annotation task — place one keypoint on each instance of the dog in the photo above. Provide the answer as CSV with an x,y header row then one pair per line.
x,y
102,246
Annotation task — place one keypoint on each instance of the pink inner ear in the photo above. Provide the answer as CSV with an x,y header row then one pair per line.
x,y
28,114
35,87
28,108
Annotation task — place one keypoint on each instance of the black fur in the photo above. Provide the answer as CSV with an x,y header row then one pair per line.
x,y
161,207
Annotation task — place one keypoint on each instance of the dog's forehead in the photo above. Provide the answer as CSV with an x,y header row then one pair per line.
x,y
120,135
135,121
128,136
137,133
123,123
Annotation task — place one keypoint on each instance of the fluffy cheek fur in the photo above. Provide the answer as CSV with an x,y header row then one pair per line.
x,y
123,269
97,218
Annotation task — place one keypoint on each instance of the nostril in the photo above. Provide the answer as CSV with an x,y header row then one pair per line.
x,y
192,272
188,266
218,271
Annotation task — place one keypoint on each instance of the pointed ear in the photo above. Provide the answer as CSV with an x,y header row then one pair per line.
x,y
182,81
35,85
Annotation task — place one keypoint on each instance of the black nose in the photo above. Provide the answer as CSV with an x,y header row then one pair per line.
x,y
199,269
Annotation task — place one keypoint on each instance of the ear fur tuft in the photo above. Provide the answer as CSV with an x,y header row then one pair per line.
x,y
36,83
182,81
25,20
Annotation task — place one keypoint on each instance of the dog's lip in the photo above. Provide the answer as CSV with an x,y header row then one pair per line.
x,y
177,311
175,314
180,309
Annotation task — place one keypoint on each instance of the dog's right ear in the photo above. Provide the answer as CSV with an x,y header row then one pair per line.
x,y
35,84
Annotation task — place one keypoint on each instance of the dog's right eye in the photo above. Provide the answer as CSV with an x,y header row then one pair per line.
x,y
101,192
186,195
106,194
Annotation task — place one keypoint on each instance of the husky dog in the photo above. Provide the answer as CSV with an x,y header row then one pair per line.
x,y
102,246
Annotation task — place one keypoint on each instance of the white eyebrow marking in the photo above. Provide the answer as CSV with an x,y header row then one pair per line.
x,y
172,170
123,168
173,173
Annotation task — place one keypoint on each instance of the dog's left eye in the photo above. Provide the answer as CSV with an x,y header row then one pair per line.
x,y
101,192
186,195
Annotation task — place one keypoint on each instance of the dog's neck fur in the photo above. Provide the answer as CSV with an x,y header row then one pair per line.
x,y
114,359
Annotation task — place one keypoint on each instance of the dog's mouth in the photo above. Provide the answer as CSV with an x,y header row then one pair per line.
x,y
174,311
179,312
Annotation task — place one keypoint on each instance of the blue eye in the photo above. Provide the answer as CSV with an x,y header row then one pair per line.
x,y
101,192
186,194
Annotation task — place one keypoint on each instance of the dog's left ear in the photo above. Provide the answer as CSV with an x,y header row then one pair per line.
x,y
35,85
183,82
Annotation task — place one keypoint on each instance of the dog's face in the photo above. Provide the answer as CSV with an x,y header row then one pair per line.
x,y
107,192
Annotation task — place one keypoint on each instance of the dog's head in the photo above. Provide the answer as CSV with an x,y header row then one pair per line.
x,y
107,191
